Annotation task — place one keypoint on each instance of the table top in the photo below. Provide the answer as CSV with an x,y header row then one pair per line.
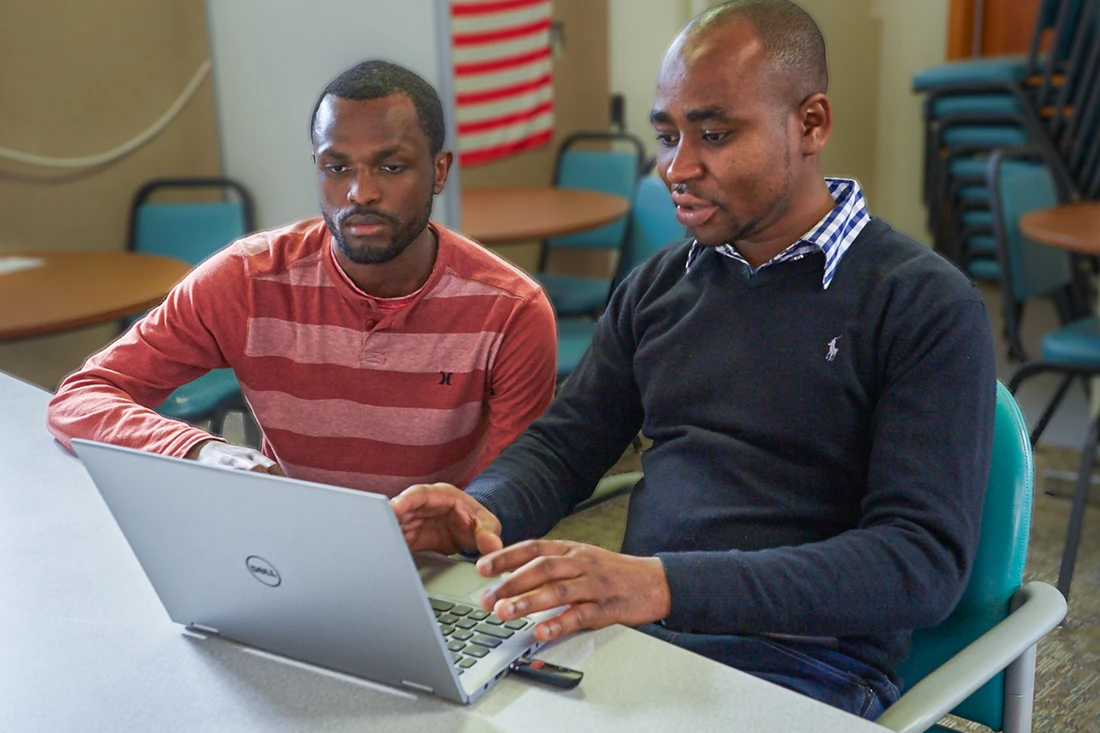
x,y
73,289
1075,227
87,646
499,215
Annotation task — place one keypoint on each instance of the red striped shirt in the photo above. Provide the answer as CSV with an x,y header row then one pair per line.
x,y
345,392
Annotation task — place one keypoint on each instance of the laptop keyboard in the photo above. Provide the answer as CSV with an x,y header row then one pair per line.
x,y
471,633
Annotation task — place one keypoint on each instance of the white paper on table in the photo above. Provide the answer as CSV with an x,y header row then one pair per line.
x,y
15,264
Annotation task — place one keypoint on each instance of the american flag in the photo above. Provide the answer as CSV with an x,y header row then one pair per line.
x,y
504,91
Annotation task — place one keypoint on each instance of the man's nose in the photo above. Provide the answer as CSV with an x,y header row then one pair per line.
x,y
683,165
364,189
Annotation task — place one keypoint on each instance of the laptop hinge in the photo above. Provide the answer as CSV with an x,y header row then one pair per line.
x,y
417,686
200,629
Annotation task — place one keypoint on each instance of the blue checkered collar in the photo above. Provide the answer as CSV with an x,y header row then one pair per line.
x,y
833,235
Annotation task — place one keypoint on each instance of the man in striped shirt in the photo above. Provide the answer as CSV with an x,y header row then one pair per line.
x,y
377,349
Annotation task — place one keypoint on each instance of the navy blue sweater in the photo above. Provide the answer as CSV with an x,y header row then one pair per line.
x,y
819,455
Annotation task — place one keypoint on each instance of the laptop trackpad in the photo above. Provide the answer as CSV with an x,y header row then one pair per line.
x,y
448,578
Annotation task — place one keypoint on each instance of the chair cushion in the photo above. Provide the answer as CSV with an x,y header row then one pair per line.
x,y
990,136
196,400
981,243
984,104
971,71
985,269
974,193
1075,343
978,218
968,167
574,336
574,295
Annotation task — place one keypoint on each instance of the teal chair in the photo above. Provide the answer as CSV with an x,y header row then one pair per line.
x,y
979,664
179,225
613,168
652,225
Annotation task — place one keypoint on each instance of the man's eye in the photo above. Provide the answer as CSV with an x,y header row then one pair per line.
x,y
714,137
337,169
666,139
393,168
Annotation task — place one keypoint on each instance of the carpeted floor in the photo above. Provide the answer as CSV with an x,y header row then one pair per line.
x,y
1068,672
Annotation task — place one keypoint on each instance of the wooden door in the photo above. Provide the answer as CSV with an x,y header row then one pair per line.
x,y
989,27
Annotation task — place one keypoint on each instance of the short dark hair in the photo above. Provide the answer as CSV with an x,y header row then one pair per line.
x,y
376,79
792,40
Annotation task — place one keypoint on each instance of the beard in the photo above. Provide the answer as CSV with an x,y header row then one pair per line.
x,y
405,233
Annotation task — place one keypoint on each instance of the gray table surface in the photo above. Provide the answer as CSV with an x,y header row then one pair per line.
x,y
86,646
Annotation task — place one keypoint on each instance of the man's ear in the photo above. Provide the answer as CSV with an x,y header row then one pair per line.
x,y
817,123
443,162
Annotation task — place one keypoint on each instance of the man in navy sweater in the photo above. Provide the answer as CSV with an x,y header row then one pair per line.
x,y
819,390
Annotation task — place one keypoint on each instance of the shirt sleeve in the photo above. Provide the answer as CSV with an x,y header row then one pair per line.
x,y
907,562
557,462
111,398
523,376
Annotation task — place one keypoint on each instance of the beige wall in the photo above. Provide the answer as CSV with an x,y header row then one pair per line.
x,y
914,35
80,79
852,44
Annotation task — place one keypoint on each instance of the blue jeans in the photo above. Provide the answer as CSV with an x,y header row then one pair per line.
x,y
816,671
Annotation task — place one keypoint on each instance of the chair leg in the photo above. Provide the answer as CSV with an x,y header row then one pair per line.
x,y
1019,693
217,421
1051,407
1077,513
252,436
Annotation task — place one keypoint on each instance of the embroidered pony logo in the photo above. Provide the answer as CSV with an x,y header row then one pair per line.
x,y
833,350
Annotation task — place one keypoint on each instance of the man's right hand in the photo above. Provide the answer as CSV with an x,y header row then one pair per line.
x,y
217,453
444,518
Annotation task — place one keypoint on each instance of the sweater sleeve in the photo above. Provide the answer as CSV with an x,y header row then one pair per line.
x,y
523,375
111,398
907,562
557,462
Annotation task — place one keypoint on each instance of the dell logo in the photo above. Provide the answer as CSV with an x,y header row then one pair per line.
x,y
262,570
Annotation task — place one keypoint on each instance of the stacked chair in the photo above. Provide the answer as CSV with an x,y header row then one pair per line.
x,y
972,108
186,223
610,162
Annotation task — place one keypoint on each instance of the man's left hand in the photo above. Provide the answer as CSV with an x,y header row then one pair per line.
x,y
599,587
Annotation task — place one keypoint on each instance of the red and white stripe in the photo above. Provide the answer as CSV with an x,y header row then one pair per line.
x,y
504,91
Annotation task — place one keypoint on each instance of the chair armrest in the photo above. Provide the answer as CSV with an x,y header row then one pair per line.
x,y
609,487
1039,607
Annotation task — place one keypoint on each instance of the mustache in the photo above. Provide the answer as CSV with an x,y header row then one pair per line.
x,y
365,211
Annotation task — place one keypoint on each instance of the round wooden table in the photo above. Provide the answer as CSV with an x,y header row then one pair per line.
x,y
73,289
498,215
1075,227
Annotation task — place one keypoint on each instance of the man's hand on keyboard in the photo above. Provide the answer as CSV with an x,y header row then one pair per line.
x,y
217,453
443,518
599,587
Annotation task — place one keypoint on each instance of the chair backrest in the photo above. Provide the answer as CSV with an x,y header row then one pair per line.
x,y
1028,269
189,230
653,224
611,170
998,568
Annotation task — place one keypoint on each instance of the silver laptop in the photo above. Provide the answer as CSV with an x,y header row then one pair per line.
x,y
311,572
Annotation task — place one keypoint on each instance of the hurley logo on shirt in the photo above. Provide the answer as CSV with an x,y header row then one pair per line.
x,y
445,378
833,350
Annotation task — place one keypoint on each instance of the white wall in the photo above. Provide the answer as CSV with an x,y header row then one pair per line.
x,y
272,59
